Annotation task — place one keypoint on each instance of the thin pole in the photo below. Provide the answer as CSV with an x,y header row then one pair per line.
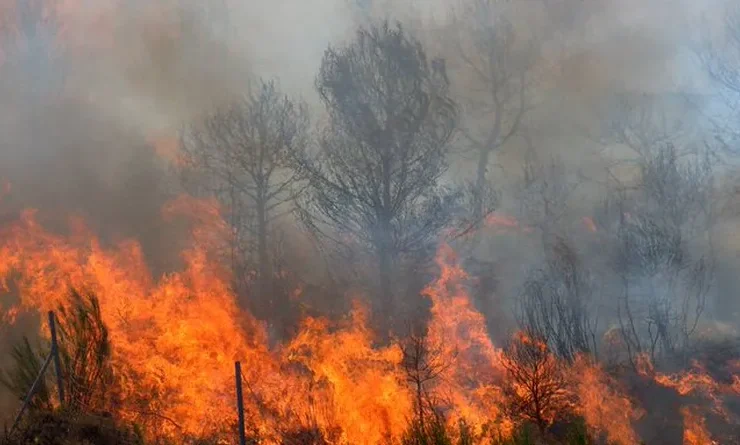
x,y
240,404
30,394
55,354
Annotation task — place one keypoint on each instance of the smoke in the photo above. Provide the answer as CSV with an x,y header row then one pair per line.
x,y
89,88
90,91
139,70
93,94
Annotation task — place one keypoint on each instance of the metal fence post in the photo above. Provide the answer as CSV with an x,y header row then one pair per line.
x,y
240,404
55,354
31,392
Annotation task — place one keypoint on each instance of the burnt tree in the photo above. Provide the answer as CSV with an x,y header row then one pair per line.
x,y
424,362
243,153
720,57
659,221
375,182
498,67
557,303
664,253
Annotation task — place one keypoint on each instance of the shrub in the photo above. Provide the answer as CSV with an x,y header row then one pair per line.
x,y
67,428
538,388
84,352
28,362
433,432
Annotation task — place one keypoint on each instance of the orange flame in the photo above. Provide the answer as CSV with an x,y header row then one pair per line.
x,y
589,223
604,409
695,431
473,384
502,221
698,383
175,338
166,146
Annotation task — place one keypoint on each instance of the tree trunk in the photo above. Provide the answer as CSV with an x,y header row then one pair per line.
x,y
264,280
385,278
386,249
480,183
420,403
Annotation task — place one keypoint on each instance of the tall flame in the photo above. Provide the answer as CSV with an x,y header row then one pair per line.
x,y
176,337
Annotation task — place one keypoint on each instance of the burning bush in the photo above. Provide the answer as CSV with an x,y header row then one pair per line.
x,y
84,351
537,389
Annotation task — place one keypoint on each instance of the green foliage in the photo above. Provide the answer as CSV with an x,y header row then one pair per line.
x,y
435,431
432,432
27,363
528,434
522,436
84,349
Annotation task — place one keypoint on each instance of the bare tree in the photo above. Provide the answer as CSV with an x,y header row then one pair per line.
x,y
642,121
376,181
245,151
424,362
499,65
664,253
720,57
558,300
718,51
558,303
85,352
546,188
658,216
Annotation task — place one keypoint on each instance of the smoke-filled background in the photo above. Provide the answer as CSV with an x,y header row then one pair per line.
x,y
594,140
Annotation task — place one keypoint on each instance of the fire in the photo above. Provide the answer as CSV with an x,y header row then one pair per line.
x,y
589,223
165,145
735,370
604,409
368,400
176,337
695,432
696,382
473,384
502,221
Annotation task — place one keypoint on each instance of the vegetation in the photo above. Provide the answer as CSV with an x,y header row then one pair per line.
x,y
242,154
622,255
64,428
84,351
376,179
